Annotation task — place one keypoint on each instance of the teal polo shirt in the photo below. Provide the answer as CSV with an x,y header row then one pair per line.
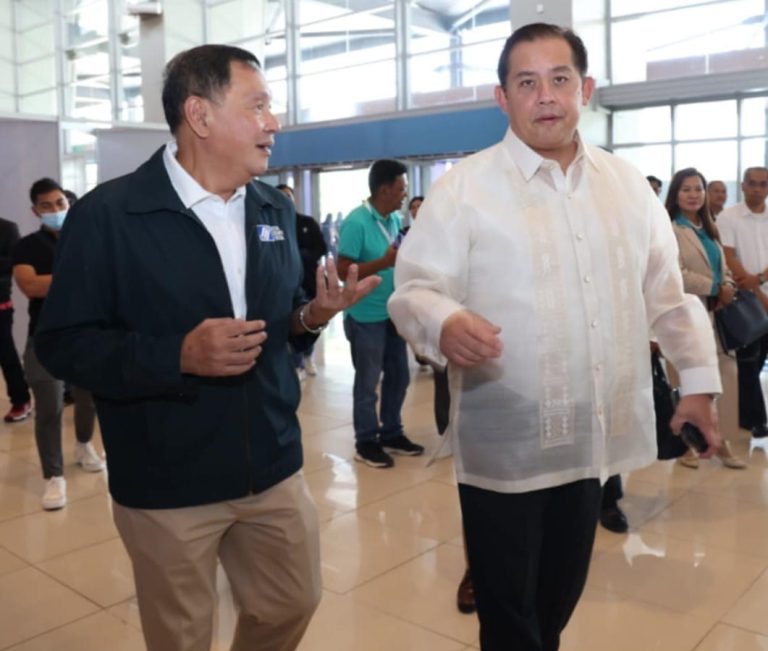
x,y
362,240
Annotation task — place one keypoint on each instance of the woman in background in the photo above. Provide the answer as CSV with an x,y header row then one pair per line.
x,y
706,275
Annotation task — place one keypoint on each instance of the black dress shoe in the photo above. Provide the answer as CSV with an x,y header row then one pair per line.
x,y
613,519
759,431
465,596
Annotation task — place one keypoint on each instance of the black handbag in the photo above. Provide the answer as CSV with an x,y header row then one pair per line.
x,y
670,446
742,322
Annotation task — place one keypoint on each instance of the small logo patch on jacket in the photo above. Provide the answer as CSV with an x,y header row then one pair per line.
x,y
269,233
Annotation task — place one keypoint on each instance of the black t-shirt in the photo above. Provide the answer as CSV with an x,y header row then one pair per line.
x,y
37,250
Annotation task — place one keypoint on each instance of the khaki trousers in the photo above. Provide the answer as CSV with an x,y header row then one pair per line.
x,y
269,548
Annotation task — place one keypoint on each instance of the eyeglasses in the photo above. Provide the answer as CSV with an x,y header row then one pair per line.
x,y
756,184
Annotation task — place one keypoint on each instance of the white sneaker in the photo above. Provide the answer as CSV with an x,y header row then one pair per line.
x,y
55,494
309,366
301,374
87,458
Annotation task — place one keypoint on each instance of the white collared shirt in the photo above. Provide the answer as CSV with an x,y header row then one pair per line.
x,y
747,233
575,268
224,220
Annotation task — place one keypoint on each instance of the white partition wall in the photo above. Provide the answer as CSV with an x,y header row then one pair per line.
x,y
120,151
30,150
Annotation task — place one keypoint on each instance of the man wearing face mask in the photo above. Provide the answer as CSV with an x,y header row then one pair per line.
x,y
32,270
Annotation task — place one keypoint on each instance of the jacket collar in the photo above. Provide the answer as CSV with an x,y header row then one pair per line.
x,y
150,190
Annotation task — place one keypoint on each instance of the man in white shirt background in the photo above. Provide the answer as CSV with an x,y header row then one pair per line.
x,y
744,231
535,271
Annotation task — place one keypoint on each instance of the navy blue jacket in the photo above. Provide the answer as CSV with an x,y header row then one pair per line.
x,y
135,272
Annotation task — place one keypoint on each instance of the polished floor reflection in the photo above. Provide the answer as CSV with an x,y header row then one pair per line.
x,y
691,574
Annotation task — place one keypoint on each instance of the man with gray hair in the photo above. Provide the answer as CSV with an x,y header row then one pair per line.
x,y
176,291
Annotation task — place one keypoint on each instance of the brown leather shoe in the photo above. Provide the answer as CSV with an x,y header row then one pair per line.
x,y
465,596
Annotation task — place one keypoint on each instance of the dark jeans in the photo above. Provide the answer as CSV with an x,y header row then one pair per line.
x,y
751,404
529,555
49,404
298,358
613,491
18,391
376,349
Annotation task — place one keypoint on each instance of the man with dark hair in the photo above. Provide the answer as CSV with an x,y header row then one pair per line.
x,y
311,248
534,270
176,291
32,270
744,233
15,384
655,183
369,236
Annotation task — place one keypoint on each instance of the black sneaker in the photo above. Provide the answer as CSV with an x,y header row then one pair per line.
x,y
371,454
760,431
401,444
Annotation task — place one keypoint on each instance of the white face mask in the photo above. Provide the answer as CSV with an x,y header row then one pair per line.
x,y
54,220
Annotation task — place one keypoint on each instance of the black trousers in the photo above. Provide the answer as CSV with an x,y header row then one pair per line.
x,y
18,392
529,555
613,491
751,404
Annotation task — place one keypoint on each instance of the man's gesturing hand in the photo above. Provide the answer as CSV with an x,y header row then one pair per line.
x,y
467,339
218,347
332,297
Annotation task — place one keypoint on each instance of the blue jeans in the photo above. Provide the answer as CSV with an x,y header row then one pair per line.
x,y
376,349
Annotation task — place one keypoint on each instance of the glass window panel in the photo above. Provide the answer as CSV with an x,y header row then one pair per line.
x,y
649,159
6,15
37,75
706,120
754,116
86,27
91,101
361,90
279,90
341,190
624,7
85,65
7,73
452,76
479,63
36,42
754,153
424,41
7,103
30,13
642,125
716,160
688,41
6,44
235,20
275,64
182,25
348,40
311,11
44,103
132,106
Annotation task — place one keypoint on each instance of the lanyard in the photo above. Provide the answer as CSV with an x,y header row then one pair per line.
x,y
385,232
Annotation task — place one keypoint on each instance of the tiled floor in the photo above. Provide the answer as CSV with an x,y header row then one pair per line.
x,y
692,574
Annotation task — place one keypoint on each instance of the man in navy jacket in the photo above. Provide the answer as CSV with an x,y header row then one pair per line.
x,y
175,293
